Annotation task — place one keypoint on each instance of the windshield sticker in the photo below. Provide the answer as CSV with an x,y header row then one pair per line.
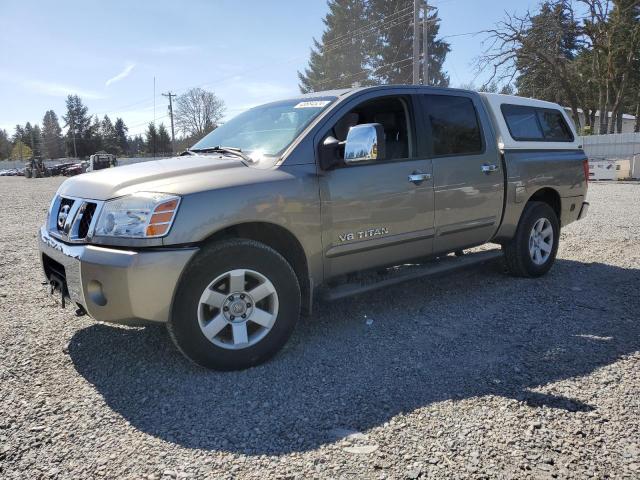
x,y
313,104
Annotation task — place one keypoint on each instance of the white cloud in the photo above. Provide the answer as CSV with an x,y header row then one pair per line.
x,y
49,88
122,75
60,90
170,49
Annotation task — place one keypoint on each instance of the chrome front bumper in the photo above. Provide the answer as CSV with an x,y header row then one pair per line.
x,y
116,285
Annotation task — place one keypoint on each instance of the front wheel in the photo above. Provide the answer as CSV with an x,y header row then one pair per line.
x,y
532,251
236,305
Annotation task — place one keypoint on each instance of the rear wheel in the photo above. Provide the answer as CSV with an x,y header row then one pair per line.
x,y
236,305
532,251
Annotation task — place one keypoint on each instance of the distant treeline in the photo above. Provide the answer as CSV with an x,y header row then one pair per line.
x,y
197,112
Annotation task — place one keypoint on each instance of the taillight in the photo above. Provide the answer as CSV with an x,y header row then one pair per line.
x,y
585,167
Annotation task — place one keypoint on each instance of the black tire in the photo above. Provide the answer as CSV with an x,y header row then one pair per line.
x,y
516,252
213,261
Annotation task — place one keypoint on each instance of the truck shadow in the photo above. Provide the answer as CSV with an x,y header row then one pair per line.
x,y
467,335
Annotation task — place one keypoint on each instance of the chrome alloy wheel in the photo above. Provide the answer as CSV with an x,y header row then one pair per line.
x,y
238,309
541,241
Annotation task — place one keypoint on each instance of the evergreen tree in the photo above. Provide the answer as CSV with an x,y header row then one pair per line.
x,y
392,53
151,141
78,124
108,136
36,142
52,141
136,146
554,30
339,59
19,135
5,145
370,42
27,135
164,140
121,136
31,136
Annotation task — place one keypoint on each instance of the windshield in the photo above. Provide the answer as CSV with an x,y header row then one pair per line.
x,y
264,132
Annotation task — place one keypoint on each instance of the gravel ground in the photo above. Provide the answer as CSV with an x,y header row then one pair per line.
x,y
475,375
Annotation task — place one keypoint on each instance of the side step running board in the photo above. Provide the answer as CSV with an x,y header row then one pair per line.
x,y
440,266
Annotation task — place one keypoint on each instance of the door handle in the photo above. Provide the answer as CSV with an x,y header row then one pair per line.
x,y
489,168
418,177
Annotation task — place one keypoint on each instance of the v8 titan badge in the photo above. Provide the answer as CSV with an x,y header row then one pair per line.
x,y
363,234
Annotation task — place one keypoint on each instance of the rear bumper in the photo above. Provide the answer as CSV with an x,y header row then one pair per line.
x,y
113,285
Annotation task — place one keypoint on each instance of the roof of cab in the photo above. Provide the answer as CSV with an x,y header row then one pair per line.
x,y
492,101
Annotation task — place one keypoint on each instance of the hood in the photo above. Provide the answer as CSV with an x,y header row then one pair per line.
x,y
178,175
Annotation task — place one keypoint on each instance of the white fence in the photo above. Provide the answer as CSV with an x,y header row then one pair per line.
x,y
615,146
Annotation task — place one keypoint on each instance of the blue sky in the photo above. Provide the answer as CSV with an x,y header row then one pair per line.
x,y
247,52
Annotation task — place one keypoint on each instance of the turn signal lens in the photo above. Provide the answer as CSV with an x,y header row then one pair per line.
x,y
169,206
157,230
161,219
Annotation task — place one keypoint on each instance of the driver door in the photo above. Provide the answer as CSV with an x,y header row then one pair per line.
x,y
373,213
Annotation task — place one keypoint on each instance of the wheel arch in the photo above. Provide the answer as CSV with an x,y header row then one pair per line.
x,y
549,196
282,241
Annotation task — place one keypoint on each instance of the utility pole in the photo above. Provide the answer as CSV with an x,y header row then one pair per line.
x,y
154,117
416,41
73,132
425,43
173,135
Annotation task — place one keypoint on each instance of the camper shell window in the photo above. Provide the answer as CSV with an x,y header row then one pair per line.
x,y
536,124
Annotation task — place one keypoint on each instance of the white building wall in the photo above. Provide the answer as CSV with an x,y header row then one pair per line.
x,y
615,146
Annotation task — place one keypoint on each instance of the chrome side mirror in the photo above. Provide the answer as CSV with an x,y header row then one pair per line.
x,y
364,143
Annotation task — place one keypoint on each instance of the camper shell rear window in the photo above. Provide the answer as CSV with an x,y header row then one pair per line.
x,y
536,124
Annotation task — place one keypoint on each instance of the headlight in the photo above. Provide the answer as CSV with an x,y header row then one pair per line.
x,y
141,215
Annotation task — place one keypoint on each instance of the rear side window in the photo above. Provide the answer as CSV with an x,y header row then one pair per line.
x,y
536,124
553,126
454,125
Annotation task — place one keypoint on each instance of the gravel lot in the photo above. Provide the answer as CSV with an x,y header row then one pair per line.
x,y
475,375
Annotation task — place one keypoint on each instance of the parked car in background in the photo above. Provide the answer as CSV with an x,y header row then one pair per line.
x,y
74,169
59,168
328,194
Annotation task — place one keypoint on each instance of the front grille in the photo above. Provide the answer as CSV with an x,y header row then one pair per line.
x,y
88,210
72,219
66,204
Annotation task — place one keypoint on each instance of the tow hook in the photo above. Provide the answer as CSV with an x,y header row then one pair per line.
x,y
55,284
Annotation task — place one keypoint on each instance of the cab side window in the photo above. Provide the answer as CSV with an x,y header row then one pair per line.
x,y
394,116
454,125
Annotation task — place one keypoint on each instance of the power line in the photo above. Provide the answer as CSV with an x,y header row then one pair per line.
x,y
378,29
369,24
364,71
332,45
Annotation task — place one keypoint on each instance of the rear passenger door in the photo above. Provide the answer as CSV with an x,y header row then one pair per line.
x,y
467,172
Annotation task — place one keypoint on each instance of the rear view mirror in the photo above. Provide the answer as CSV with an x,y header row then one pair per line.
x,y
364,143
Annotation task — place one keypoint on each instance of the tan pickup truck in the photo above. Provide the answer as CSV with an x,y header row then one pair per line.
x,y
328,194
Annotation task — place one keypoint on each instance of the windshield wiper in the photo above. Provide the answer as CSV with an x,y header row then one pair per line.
x,y
229,150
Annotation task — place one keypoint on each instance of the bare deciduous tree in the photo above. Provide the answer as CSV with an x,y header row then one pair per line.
x,y
519,38
198,112
589,61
